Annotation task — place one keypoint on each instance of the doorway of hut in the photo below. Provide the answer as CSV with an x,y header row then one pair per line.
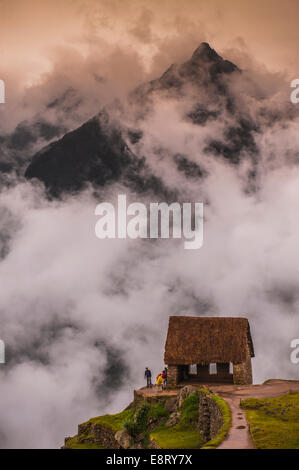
x,y
221,372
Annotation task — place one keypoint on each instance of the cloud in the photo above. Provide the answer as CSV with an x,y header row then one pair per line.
x,y
81,317
73,322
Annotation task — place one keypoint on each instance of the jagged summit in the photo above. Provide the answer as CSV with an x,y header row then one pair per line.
x,y
204,58
204,52
204,67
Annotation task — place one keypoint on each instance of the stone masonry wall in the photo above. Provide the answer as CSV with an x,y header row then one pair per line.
x,y
103,436
243,371
172,375
210,417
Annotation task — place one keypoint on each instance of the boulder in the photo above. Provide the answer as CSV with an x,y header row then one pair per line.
x,y
124,439
153,444
173,419
170,404
184,393
137,446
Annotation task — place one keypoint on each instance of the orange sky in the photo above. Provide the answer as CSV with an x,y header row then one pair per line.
x,y
156,32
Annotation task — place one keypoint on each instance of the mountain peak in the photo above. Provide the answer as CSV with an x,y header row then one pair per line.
x,y
204,52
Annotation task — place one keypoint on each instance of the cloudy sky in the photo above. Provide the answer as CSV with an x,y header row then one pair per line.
x,y
149,34
82,317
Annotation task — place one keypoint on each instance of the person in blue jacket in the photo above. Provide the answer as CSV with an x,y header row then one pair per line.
x,y
148,377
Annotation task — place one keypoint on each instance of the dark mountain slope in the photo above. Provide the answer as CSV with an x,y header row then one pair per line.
x,y
97,151
92,153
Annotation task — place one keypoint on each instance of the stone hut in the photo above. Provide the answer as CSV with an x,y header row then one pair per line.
x,y
208,350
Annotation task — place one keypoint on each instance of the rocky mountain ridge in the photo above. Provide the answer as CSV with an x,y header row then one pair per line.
x,y
103,149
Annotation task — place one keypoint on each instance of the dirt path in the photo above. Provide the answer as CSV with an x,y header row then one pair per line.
x,y
239,436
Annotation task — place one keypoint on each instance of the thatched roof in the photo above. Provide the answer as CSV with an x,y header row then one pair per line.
x,y
203,340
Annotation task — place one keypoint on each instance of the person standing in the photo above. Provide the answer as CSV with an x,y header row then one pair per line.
x,y
159,381
164,377
148,377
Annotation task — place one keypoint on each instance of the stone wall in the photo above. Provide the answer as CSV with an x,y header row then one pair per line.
x,y
105,437
102,435
216,419
173,374
210,417
243,371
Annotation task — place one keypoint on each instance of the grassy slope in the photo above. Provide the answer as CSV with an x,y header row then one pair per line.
x,y
115,422
274,422
74,444
184,435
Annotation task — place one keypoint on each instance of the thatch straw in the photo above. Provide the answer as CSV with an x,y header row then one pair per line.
x,y
204,340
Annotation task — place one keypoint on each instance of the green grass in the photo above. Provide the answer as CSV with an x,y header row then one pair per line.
x,y
176,438
227,422
74,444
137,424
158,411
184,435
274,422
190,411
205,390
145,413
115,422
